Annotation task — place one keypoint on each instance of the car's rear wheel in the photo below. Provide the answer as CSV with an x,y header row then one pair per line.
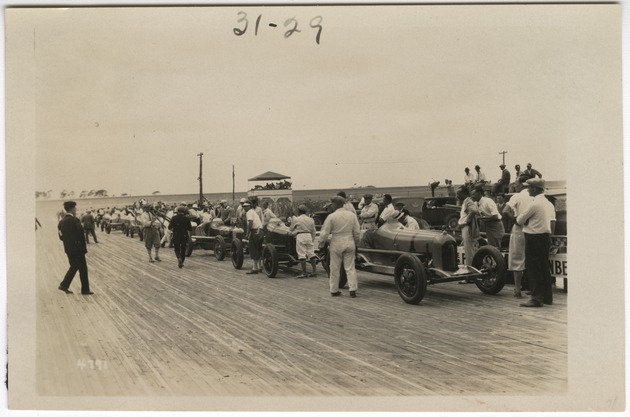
x,y
411,279
324,257
219,248
270,260
451,222
237,253
189,247
489,260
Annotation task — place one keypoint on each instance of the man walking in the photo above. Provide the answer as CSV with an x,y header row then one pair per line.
x,y
538,221
73,236
342,229
151,232
88,226
254,235
180,226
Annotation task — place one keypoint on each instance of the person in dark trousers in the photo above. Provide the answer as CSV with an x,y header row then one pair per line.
x,y
88,226
73,236
538,222
180,225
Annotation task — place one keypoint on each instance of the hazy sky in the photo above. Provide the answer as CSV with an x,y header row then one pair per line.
x,y
392,95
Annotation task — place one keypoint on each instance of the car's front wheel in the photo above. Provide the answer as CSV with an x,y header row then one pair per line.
x,y
237,253
491,263
219,248
411,279
270,260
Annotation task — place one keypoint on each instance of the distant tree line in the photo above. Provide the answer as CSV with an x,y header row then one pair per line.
x,y
69,194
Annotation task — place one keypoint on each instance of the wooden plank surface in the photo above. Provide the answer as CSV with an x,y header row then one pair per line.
x,y
210,330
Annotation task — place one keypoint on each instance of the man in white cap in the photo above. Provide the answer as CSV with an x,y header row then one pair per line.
x,y
303,228
241,220
538,222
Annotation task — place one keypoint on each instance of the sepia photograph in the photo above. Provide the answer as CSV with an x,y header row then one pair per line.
x,y
315,208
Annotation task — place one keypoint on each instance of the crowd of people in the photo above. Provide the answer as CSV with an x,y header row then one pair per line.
x,y
528,216
280,185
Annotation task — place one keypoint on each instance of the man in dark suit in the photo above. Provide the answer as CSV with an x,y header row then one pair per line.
x,y
73,236
180,225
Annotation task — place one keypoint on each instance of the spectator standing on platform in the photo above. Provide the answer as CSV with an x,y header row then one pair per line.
x,y
489,214
73,236
303,228
180,227
538,222
480,178
342,229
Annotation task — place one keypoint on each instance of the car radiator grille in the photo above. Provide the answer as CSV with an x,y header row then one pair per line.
x,y
449,256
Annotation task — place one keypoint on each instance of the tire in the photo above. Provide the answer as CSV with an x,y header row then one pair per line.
x,y
451,222
189,247
219,248
489,260
237,253
270,260
324,256
410,278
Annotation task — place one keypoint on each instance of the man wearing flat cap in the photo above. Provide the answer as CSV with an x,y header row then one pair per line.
x,y
369,213
73,236
303,228
538,222
180,226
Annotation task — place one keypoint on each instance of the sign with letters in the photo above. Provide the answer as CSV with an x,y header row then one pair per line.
x,y
557,262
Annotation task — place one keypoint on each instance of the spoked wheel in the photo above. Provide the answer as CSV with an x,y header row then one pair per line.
x,y
489,260
270,260
411,279
237,253
219,248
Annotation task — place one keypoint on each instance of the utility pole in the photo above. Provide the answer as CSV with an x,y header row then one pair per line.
x,y
503,153
200,155
232,182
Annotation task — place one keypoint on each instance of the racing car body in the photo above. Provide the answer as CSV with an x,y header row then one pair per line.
x,y
213,236
419,257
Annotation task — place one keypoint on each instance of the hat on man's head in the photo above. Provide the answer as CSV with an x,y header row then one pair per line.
x,y
366,196
302,208
69,205
479,189
243,200
247,204
223,201
399,204
182,209
387,197
536,183
342,194
477,167
502,166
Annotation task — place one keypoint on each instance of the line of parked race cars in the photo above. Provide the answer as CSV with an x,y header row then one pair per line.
x,y
415,258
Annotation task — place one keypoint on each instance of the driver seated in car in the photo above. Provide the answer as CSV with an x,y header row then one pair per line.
x,y
409,222
392,224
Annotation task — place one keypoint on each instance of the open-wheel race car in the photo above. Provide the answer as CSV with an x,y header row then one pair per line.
x,y
278,250
134,227
213,236
117,223
417,258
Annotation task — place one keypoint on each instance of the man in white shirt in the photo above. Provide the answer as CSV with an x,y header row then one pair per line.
x,y
489,214
388,210
480,177
342,229
303,228
516,256
255,237
538,221
369,212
